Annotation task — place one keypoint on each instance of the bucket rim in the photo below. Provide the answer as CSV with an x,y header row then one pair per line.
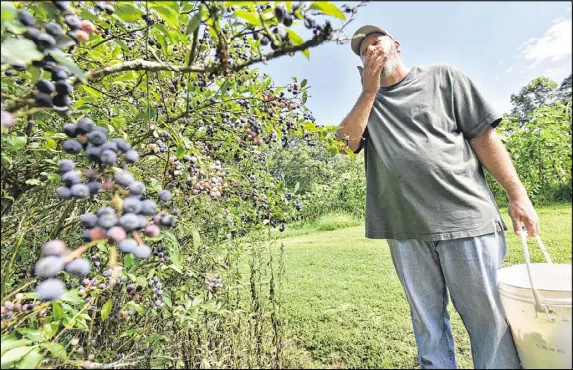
x,y
522,265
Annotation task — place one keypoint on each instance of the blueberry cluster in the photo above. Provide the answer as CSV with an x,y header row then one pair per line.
x,y
161,252
52,261
50,36
157,290
213,284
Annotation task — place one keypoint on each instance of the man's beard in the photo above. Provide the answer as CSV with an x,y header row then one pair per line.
x,y
391,64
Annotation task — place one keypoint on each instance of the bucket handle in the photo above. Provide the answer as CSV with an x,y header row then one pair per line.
x,y
540,306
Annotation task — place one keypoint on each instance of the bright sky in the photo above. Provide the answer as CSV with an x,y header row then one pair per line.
x,y
501,46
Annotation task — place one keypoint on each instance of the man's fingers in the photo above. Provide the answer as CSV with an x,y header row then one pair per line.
x,y
531,228
361,72
371,55
516,227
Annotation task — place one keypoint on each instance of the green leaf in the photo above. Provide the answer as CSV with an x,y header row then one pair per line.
x,y
303,83
196,239
250,18
194,22
61,58
169,15
328,9
91,91
15,354
106,309
17,142
57,350
32,334
31,360
180,152
50,143
8,10
12,342
71,296
128,260
19,51
50,329
127,12
58,311
304,98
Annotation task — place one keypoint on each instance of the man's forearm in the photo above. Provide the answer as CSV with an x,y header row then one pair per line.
x,y
354,124
494,157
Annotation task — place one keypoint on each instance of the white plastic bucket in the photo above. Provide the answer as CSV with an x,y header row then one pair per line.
x,y
537,302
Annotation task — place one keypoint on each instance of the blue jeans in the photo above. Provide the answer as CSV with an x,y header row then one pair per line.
x,y
466,267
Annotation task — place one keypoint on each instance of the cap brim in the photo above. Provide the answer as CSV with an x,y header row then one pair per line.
x,y
361,34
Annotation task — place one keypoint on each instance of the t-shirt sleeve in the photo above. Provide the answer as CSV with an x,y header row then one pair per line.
x,y
473,113
363,141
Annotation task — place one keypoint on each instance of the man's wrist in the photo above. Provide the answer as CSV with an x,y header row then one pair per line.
x,y
516,191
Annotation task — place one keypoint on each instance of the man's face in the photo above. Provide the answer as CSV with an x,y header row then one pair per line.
x,y
389,49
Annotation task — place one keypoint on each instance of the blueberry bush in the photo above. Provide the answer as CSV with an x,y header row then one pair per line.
x,y
137,192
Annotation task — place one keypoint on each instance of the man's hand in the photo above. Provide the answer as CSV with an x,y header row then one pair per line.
x,y
370,74
521,211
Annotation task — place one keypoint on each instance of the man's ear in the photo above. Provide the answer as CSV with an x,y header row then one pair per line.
x,y
397,46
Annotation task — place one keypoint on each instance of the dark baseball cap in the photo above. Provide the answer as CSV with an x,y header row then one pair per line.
x,y
362,33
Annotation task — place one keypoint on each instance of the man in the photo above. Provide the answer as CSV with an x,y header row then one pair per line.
x,y
427,134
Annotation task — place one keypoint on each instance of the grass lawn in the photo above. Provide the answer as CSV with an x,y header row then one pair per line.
x,y
345,308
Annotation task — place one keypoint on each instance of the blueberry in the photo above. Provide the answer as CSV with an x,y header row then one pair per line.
x,y
122,145
107,273
108,156
86,235
71,178
131,205
26,18
45,41
142,221
66,165
110,145
123,178
127,245
85,125
43,100
64,193
73,21
50,289
108,220
123,279
53,29
72,146
148,207
53,248
102,286
64,87
78,267
142,251
116,234
59,74
45,86
61,101
108,9
91,174
49,266
150,283
137,188
32,34
164,195
131,156
159,285
80,191
70,129
61,5
97,137
129,221
105,211
94,186
93,153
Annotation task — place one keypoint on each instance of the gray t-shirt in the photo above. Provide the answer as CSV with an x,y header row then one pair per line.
x,y
423,180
